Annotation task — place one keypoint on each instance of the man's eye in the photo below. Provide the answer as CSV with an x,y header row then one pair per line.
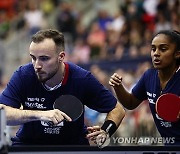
x,y
33,58
44,58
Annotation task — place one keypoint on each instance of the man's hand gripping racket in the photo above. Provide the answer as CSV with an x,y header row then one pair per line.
x,y
98,136
168,107
69,106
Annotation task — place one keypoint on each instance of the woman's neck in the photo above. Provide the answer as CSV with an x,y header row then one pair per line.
x,y
166,74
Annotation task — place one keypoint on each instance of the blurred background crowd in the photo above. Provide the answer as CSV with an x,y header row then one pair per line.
x,y
103,36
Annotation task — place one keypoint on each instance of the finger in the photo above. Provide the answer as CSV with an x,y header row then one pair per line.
x,y
116,75
101,138
111,84
93,134
61,115
93,139
58,117
55,120
96,128
114,82
66,116
116,78
90,129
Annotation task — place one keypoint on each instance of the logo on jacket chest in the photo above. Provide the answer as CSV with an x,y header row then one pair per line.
x,y
35,103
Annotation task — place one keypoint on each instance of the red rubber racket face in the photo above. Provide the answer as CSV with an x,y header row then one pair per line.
x,y
168,107
70,105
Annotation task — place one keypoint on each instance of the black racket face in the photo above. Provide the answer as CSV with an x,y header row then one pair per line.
x,y
70,105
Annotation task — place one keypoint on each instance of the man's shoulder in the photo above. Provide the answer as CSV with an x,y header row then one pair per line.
x,y
26,69
77,71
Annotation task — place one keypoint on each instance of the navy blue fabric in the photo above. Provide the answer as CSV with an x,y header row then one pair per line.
x,y
148,87
25,89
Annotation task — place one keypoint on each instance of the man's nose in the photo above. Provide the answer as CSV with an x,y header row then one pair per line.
x,y
38,64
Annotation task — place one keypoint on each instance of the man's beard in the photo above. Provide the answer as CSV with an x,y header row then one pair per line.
x,y
48,76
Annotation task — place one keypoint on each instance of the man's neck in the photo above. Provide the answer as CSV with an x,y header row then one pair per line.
x,y
58,78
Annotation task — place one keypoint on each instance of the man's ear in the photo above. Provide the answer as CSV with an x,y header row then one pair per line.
x,y
61,56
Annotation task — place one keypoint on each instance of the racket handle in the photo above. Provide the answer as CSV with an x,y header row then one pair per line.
x,y
50,123
178,115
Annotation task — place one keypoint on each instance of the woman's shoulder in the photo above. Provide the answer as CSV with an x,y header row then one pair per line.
x,y
150,71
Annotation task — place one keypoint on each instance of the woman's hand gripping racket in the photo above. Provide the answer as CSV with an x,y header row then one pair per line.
x,y
168,107
70,105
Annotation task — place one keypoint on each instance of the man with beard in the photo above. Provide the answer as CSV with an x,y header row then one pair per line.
x,y
35,87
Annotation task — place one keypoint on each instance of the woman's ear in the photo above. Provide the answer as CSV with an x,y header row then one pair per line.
x,y
177,54
61,56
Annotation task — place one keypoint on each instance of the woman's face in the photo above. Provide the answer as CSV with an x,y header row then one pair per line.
x,y
163,52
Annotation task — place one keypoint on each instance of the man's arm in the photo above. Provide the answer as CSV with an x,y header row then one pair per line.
x,y
18,116
117,114
114,117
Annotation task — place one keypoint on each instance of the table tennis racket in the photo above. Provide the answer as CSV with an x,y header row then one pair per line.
x,y
70,105
168,107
